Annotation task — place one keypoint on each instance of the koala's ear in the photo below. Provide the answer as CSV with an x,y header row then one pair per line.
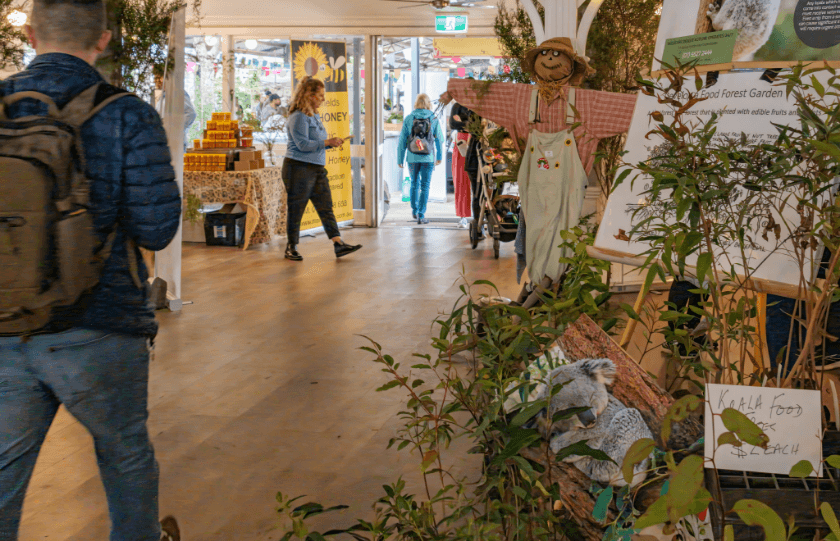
x,y
601,370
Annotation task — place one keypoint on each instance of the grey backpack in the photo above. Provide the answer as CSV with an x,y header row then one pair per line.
x,y
49,254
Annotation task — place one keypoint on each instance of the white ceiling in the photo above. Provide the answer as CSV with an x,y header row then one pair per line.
x,y
348,17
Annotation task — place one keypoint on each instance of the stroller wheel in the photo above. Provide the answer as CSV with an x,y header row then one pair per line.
x,y
496,248
474,234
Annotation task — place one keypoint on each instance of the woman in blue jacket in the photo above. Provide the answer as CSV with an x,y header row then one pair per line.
x,y
303,170
420,165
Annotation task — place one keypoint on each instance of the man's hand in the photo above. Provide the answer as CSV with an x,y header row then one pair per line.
x,y
334,142
399,165
445,98
438,162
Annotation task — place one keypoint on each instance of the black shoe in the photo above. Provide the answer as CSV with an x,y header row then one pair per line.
x,y
421,220
342,249
169,530
292,253
413,216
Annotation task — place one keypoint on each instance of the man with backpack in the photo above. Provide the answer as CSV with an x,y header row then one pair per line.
x,y
85,179
421,132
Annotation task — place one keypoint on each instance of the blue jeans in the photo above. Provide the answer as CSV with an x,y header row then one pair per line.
x,y
421,178
102,379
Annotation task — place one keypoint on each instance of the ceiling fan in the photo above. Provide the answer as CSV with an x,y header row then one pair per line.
x,y
437,4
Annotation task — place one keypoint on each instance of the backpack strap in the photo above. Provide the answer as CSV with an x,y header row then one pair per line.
x,y
88,103
7,101
78,111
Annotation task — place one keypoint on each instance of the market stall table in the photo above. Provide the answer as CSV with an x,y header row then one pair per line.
x,y
260,191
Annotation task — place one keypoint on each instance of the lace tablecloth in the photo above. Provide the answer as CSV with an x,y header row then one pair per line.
x,y
260,191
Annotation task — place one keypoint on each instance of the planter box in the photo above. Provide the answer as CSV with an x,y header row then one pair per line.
x,y
785,495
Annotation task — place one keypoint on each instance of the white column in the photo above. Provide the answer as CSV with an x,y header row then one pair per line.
x,y
168,260
561,19
228,75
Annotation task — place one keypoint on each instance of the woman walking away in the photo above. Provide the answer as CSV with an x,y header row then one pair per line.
x,y
420,131
303,170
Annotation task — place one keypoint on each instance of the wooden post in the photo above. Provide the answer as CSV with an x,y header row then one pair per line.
x,y
631,323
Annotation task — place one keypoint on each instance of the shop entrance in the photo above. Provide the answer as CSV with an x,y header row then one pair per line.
x,y
411,66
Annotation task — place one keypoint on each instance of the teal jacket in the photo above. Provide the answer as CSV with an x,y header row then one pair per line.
x,y
406,132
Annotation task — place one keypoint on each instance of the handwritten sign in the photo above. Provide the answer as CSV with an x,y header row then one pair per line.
x,y
789,417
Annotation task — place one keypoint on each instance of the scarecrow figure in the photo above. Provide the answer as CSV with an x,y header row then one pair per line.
x,y
538,118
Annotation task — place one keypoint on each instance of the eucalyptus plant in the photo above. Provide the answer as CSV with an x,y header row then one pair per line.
x,y
708,199
140,42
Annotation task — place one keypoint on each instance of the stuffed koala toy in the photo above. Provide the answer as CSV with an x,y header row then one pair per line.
x,y
754,20
609,425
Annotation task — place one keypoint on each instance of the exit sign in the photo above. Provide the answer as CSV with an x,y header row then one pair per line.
x,y
451,24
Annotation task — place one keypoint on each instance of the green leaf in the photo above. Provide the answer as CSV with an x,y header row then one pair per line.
x,y
678,412
729,533
828,148
746,430
833,461
389,385
801,469
704,263
527,414
637,453
428,459
686,494
729,438
519,439
630,312
657,513
830,518
599,512
755,513
580,448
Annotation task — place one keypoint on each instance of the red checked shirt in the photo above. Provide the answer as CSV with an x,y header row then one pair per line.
x,y
602,114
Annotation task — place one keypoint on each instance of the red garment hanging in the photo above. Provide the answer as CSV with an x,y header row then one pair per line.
x,y
463,197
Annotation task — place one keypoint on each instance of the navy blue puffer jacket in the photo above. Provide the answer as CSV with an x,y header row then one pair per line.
x,y
133,188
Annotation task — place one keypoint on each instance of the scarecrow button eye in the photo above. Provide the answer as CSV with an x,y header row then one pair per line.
x,y
544,53
556,53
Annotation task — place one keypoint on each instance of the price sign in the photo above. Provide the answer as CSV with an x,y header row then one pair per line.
x,y
789,417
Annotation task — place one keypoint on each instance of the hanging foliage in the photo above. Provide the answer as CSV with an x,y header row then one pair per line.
x,y
139,46
516,36
620,46
12,39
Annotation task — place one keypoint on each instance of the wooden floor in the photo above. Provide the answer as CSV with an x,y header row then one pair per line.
x,y
259,385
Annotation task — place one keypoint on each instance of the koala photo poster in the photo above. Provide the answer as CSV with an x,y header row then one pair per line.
x,y
771,33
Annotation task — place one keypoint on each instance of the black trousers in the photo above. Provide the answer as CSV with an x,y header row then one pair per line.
x,y
307,182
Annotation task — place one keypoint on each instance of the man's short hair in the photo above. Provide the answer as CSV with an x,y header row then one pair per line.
x,y
273,97
51,22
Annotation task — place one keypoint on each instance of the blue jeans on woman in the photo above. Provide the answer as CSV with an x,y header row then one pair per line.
x,y
102,379
421,179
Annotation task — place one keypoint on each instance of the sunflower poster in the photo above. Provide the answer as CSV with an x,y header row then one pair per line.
x,y
327,61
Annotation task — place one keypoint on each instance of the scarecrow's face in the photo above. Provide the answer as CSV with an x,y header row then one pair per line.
x,y
553,66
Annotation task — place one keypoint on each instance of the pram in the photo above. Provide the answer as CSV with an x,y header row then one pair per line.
x,y
499,205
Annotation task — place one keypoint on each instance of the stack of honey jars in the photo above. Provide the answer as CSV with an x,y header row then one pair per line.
x,y
221,132
205,162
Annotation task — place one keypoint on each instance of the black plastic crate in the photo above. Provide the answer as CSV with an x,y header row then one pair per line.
x,y
224,228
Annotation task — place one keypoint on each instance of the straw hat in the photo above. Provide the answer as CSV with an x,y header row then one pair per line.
x,y
564,45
